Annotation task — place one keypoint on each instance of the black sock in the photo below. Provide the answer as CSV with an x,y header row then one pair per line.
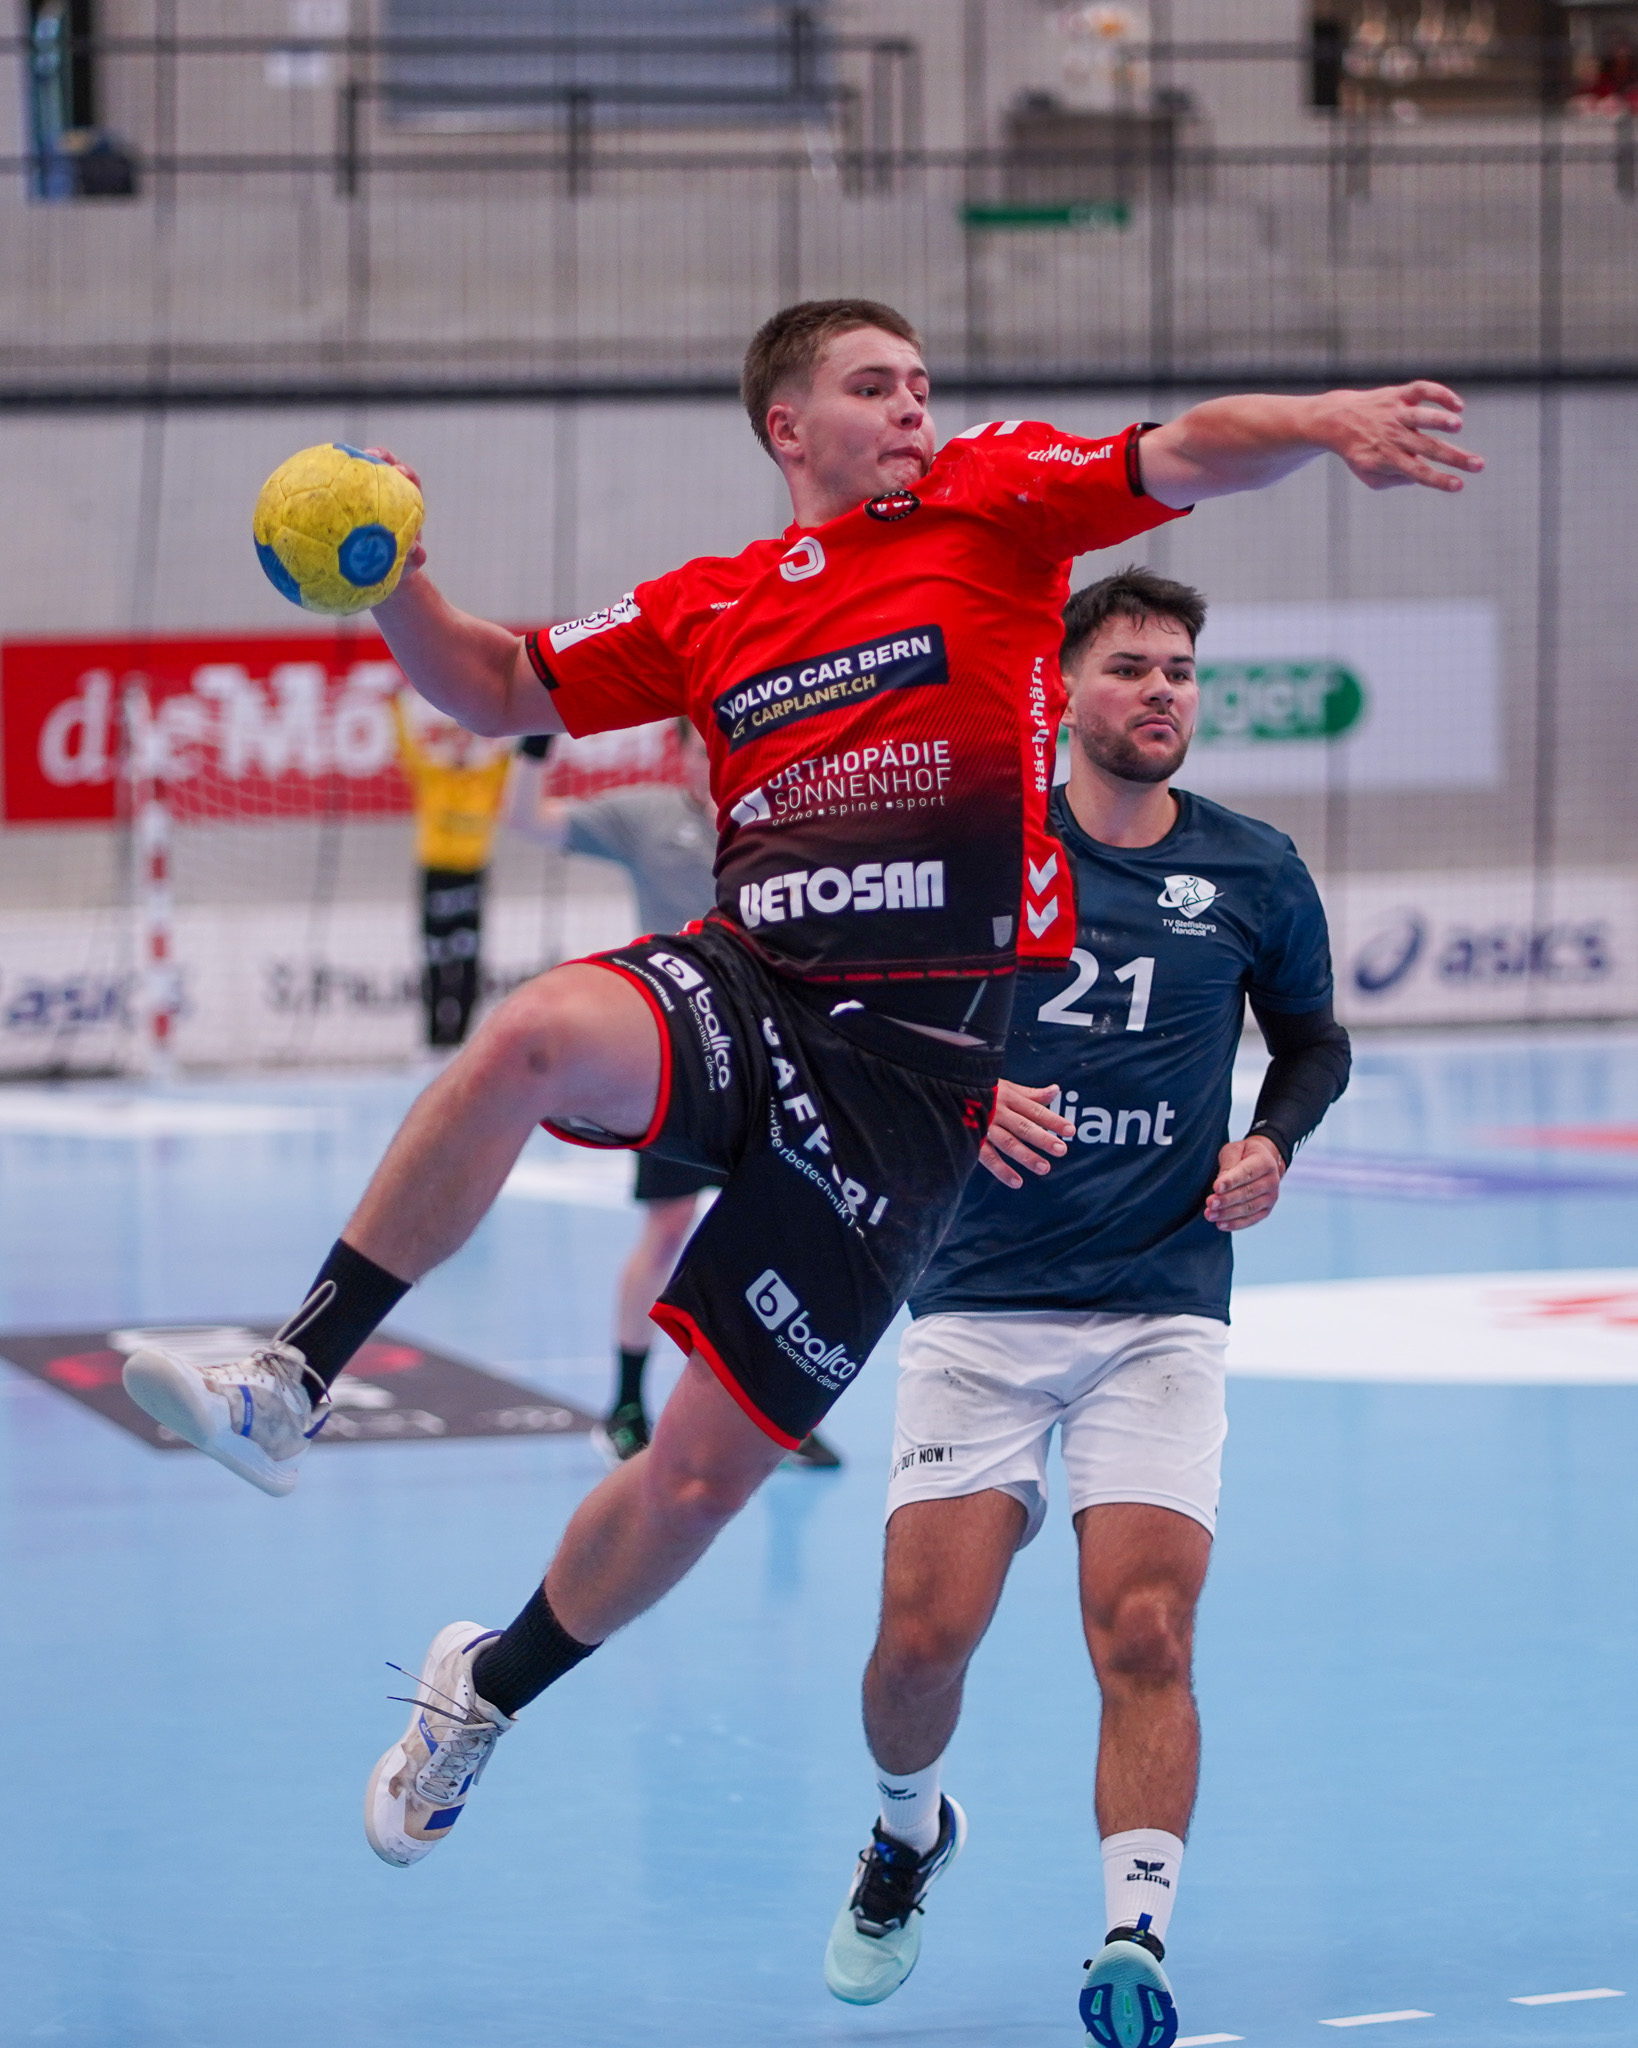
x,y
350,1295
527,1657
630,1390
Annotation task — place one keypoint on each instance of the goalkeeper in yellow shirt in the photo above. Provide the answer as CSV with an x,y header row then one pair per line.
x,y
459,781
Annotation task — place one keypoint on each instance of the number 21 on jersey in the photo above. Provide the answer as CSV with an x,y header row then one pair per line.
x,y
1139,974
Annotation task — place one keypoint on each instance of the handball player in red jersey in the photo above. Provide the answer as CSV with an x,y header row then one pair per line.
x,y
879,690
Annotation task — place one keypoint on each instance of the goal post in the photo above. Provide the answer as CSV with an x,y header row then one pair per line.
x,y
243,800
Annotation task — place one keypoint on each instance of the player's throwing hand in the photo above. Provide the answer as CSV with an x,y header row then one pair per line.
x,y
417,556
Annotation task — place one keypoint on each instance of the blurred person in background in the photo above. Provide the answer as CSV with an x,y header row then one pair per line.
x,y
664,835
459,784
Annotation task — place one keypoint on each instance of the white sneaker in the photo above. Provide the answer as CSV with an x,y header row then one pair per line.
x,y
1126,2001
255,1415
419,1789
877,1936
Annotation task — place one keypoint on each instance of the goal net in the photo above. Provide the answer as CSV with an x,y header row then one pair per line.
x,y
209,856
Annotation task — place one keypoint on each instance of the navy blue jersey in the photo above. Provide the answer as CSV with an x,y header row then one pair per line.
x,y
1140,1035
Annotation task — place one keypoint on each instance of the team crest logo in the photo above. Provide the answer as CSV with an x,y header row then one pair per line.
x,y
1192,894
893,505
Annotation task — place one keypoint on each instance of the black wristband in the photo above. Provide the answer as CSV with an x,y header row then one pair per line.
x,y
536,746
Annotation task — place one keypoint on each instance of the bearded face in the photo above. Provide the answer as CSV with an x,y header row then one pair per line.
x,y
1146,748
1134,699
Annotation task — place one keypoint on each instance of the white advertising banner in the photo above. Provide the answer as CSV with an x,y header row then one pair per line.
x,y
263,984
275,983
1484,947
1301,697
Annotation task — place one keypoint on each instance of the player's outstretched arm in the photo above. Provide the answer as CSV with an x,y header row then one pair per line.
x,y
1386,437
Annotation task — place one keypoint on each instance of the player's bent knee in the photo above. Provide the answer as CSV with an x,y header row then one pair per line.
x,y
1145,1638
695,1499
694,1480
924,1654
581,1040
546,1023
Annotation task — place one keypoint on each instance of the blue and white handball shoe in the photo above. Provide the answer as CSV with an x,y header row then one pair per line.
x,y
1126,2001
877,1936
255,1415
419,1789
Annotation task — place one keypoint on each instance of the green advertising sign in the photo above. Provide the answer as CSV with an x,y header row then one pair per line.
x,y
1244,702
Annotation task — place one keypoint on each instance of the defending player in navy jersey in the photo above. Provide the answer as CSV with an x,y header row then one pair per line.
x,y
1094,1297
829,1040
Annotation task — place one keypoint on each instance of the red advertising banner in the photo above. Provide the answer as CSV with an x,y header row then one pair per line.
x,y
236,727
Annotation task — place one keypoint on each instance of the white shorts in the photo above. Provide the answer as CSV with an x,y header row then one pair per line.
x,y
1138,1399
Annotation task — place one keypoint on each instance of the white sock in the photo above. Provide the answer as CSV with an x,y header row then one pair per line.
x,y
910,1805
1140,1872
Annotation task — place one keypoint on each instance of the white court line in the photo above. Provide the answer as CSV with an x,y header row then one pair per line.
x,y
1376,2019
1563,1997
1205,2040
49,1113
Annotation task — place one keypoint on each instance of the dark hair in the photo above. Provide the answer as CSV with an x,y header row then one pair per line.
x,y
1131,593
785,349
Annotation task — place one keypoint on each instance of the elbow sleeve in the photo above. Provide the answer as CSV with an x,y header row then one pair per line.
x,y
1309,1064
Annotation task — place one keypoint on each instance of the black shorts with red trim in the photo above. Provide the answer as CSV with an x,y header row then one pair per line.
x,y
663,1180
843,1140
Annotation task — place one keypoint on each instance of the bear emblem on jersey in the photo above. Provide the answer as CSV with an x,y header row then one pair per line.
x,y
1192,894
893,505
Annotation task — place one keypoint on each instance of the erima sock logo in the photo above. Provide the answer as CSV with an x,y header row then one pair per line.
x,y
1147,1873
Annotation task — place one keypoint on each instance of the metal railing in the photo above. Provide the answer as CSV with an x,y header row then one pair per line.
x,y
354,254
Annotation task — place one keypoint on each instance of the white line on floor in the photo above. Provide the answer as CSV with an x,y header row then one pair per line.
x,y
1205,2040
1376,2019
1563,1997
46,1112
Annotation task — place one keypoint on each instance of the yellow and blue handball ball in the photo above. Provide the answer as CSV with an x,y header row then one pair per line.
x,y
334,526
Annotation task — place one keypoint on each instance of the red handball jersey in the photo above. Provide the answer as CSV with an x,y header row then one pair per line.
x,y
881,700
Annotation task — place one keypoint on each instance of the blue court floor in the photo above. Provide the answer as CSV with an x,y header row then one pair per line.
x,y
1418,1663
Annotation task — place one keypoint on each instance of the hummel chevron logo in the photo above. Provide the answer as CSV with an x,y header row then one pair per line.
x,y
1040,877
1040,919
